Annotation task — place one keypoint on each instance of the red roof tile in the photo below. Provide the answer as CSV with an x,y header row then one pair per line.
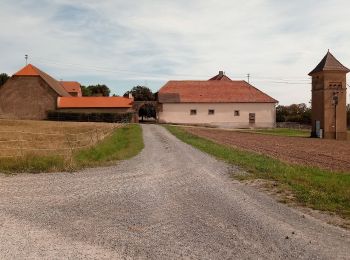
x,y
31,70
212,91
72,86
94,102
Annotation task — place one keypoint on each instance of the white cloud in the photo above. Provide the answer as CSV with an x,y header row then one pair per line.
x,y
134,42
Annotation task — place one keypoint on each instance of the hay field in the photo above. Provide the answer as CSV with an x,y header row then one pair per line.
x,y
22,137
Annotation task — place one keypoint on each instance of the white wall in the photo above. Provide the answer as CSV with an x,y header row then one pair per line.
x,y
265,114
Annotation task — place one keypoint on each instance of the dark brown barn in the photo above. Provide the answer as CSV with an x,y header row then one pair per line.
x,y
29,94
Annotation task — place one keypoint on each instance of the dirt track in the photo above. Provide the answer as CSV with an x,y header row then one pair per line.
x,y
329,154
169,202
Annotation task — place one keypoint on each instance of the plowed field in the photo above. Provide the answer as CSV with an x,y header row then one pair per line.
x,y
328,154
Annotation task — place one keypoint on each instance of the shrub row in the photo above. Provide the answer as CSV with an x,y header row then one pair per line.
x,y
90,117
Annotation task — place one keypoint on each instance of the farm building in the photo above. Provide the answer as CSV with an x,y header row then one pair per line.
x,y
218,101
31,94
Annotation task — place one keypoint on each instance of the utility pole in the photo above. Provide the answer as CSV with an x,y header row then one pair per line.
x,y
26,57
248,76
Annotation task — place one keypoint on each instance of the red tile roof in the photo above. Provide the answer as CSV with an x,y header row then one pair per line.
x,y
31,70
212,91
94,102
72,86
329,63
221,76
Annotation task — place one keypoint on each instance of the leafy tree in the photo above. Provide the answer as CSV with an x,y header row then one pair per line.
x,y
85,91
95,90
298,113
3,78
147,110
140,93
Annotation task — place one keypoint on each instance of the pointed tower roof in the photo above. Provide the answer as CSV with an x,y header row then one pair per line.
x,y
329,63
28,70
31,70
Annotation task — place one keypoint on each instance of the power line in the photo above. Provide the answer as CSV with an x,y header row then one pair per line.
x,y
85,67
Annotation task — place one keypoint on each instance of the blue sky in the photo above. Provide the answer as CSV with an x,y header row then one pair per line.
x,y
127,43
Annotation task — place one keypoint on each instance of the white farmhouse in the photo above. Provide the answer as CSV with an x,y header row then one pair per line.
x,y
218,101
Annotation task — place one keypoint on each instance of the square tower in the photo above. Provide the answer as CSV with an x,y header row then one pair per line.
x,y
329,98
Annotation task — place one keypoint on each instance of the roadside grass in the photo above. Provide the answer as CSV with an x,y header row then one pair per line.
x,y
312,187
123,143
281,132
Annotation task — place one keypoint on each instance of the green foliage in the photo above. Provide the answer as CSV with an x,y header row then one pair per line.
x,y
3,78
147,110
313,187
298,113
140,93
95,90
124,143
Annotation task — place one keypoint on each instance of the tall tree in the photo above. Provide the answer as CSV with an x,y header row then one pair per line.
x,y
95,90
3,78
140,93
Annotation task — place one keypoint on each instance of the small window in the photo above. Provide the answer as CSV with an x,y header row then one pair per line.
x,y
193,112
236,112
211,112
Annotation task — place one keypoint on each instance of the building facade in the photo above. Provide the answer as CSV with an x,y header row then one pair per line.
x,y
218,101
32,94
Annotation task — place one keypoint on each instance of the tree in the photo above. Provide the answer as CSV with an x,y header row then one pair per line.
x,y
140,93
147,110
298,113
3,78
95,90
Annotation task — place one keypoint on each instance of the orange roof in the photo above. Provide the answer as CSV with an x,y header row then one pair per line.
x,y
72,86
31,70
94,102
212,91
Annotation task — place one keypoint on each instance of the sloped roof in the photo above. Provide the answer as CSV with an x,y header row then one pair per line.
x,y
71,86
220,76
329,63
212,91
94,102
31,70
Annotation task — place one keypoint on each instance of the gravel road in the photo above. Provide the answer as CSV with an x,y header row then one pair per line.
x,y
169,202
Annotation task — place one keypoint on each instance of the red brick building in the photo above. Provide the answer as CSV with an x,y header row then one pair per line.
x,y
31,93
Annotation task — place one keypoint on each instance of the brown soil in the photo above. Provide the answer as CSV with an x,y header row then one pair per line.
x,y
327,154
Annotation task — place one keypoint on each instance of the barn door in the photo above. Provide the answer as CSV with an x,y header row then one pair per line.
x,y
252,118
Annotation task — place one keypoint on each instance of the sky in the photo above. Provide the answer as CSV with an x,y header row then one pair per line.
x,y
148,42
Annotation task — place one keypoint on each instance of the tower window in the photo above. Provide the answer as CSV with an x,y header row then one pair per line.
x,y
211,112
236,113
193,112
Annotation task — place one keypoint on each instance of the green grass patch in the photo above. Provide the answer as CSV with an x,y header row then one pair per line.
x,y
123,143
313,187
281,132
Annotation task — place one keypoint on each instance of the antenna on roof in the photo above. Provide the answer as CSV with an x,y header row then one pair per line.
x,y
248,76
26,57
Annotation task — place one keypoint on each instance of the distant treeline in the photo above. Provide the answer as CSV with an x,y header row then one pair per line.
x,y
299,113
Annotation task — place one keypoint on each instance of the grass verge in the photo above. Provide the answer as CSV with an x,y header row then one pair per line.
x,y
281,132
312,187
123,143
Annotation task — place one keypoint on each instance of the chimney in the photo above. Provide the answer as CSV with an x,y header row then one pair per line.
x,y
130,96
221,73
